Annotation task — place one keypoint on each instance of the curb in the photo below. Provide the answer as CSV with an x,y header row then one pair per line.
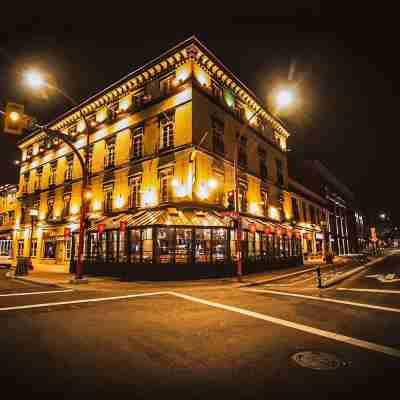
x,y
354,271
37,282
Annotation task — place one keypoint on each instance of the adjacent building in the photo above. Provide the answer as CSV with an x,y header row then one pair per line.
x,y
160,147
8,205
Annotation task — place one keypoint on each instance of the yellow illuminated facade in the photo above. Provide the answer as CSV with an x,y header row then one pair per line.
x,y
162,138
8,205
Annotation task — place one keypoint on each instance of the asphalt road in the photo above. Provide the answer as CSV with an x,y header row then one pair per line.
x,y
200,341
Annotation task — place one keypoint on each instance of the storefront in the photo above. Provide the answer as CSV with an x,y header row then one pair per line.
x,y
6,244
166,237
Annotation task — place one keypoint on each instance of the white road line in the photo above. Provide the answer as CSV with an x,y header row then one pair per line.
x,y
62,303
371,290
303,296
315,331
31,293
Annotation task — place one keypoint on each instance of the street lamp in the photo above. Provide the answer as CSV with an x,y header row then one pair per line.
x,y
35,80
285,97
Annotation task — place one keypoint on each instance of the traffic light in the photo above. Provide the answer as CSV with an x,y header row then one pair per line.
x,y
231,200
14,119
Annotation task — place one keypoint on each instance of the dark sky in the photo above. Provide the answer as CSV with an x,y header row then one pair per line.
x,y
345,68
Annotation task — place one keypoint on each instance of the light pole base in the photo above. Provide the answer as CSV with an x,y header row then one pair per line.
x,y
78,281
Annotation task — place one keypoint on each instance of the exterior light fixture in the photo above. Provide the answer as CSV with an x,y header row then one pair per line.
x,y
212,183
285,97
119,202
34,79
202,193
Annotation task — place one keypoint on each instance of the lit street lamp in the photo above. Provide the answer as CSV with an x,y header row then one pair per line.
x,y
35,80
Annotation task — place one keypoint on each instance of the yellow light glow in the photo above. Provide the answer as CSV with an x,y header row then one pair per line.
x,y
96,205
212,183
74,209
254,208
180,191
88,194
125,103
101,116
14,116
119,202
42,216
81,126
182,75
273,213
149,197
34,79
175,182
202,193
202,77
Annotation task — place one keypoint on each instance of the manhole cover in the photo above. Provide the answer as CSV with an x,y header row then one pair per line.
x,y
317,360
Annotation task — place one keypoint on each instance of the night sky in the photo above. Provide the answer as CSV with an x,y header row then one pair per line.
x,y
345,69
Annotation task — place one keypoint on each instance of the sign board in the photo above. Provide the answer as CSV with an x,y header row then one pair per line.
x,y
374,237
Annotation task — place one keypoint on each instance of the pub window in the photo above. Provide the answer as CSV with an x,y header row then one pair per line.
x,y
167,84
218,136
137,142
167,128
66,205
165,185
108,198
68,171
135,183
109,160
20,250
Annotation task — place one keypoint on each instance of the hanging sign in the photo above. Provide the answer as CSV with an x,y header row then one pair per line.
x,y
289,233
267,230
67,233
253,228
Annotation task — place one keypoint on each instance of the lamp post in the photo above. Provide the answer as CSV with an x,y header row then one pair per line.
x,y
35,80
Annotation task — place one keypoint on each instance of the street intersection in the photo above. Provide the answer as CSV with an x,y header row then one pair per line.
x,y
203,339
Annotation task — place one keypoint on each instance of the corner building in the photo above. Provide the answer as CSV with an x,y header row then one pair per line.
x,y
160,146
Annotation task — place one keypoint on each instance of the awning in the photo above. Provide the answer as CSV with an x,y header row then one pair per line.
x,y
164,217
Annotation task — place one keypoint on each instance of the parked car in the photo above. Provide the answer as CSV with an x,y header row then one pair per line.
x,y
5,261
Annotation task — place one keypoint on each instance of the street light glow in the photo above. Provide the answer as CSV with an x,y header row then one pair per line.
x,y
34,79
285,98
14,116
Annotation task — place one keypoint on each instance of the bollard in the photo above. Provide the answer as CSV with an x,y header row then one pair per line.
x,y
319,281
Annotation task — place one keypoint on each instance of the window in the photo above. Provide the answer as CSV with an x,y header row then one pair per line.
x,y
137,143
165,185
20,250
108,198
264,200
167,84
242,155
26,182
68,171
11,217
66,205
312,214
218,136
109,160
167,127
38,178
242,199
279,172
50,208
33,250
68,248
53,173
263,163
135,183
29,152
295,207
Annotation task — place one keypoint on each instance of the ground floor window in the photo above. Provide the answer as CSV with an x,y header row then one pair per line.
x,y
20,250
6,247
50,248
33,251
68,249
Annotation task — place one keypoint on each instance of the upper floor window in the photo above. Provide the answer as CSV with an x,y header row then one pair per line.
x,y
135,183
264,201
25,182
242,198
165,185
38,178
167,131
242,155
50,208
53,173
216,91
29,152
279,172
137,143
167,84
218,136
109,159
68,171
11,216
108,198
66,205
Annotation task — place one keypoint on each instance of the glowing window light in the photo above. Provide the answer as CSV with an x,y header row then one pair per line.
x,y
175,183
125,103
149,197
254,208
212,183
202,78
96,205
181,191
273,213
119,202
202,193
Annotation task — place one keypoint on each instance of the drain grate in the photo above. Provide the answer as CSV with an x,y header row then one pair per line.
x,y
318,360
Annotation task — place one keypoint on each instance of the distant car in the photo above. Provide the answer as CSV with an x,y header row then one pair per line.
x,y
5,261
